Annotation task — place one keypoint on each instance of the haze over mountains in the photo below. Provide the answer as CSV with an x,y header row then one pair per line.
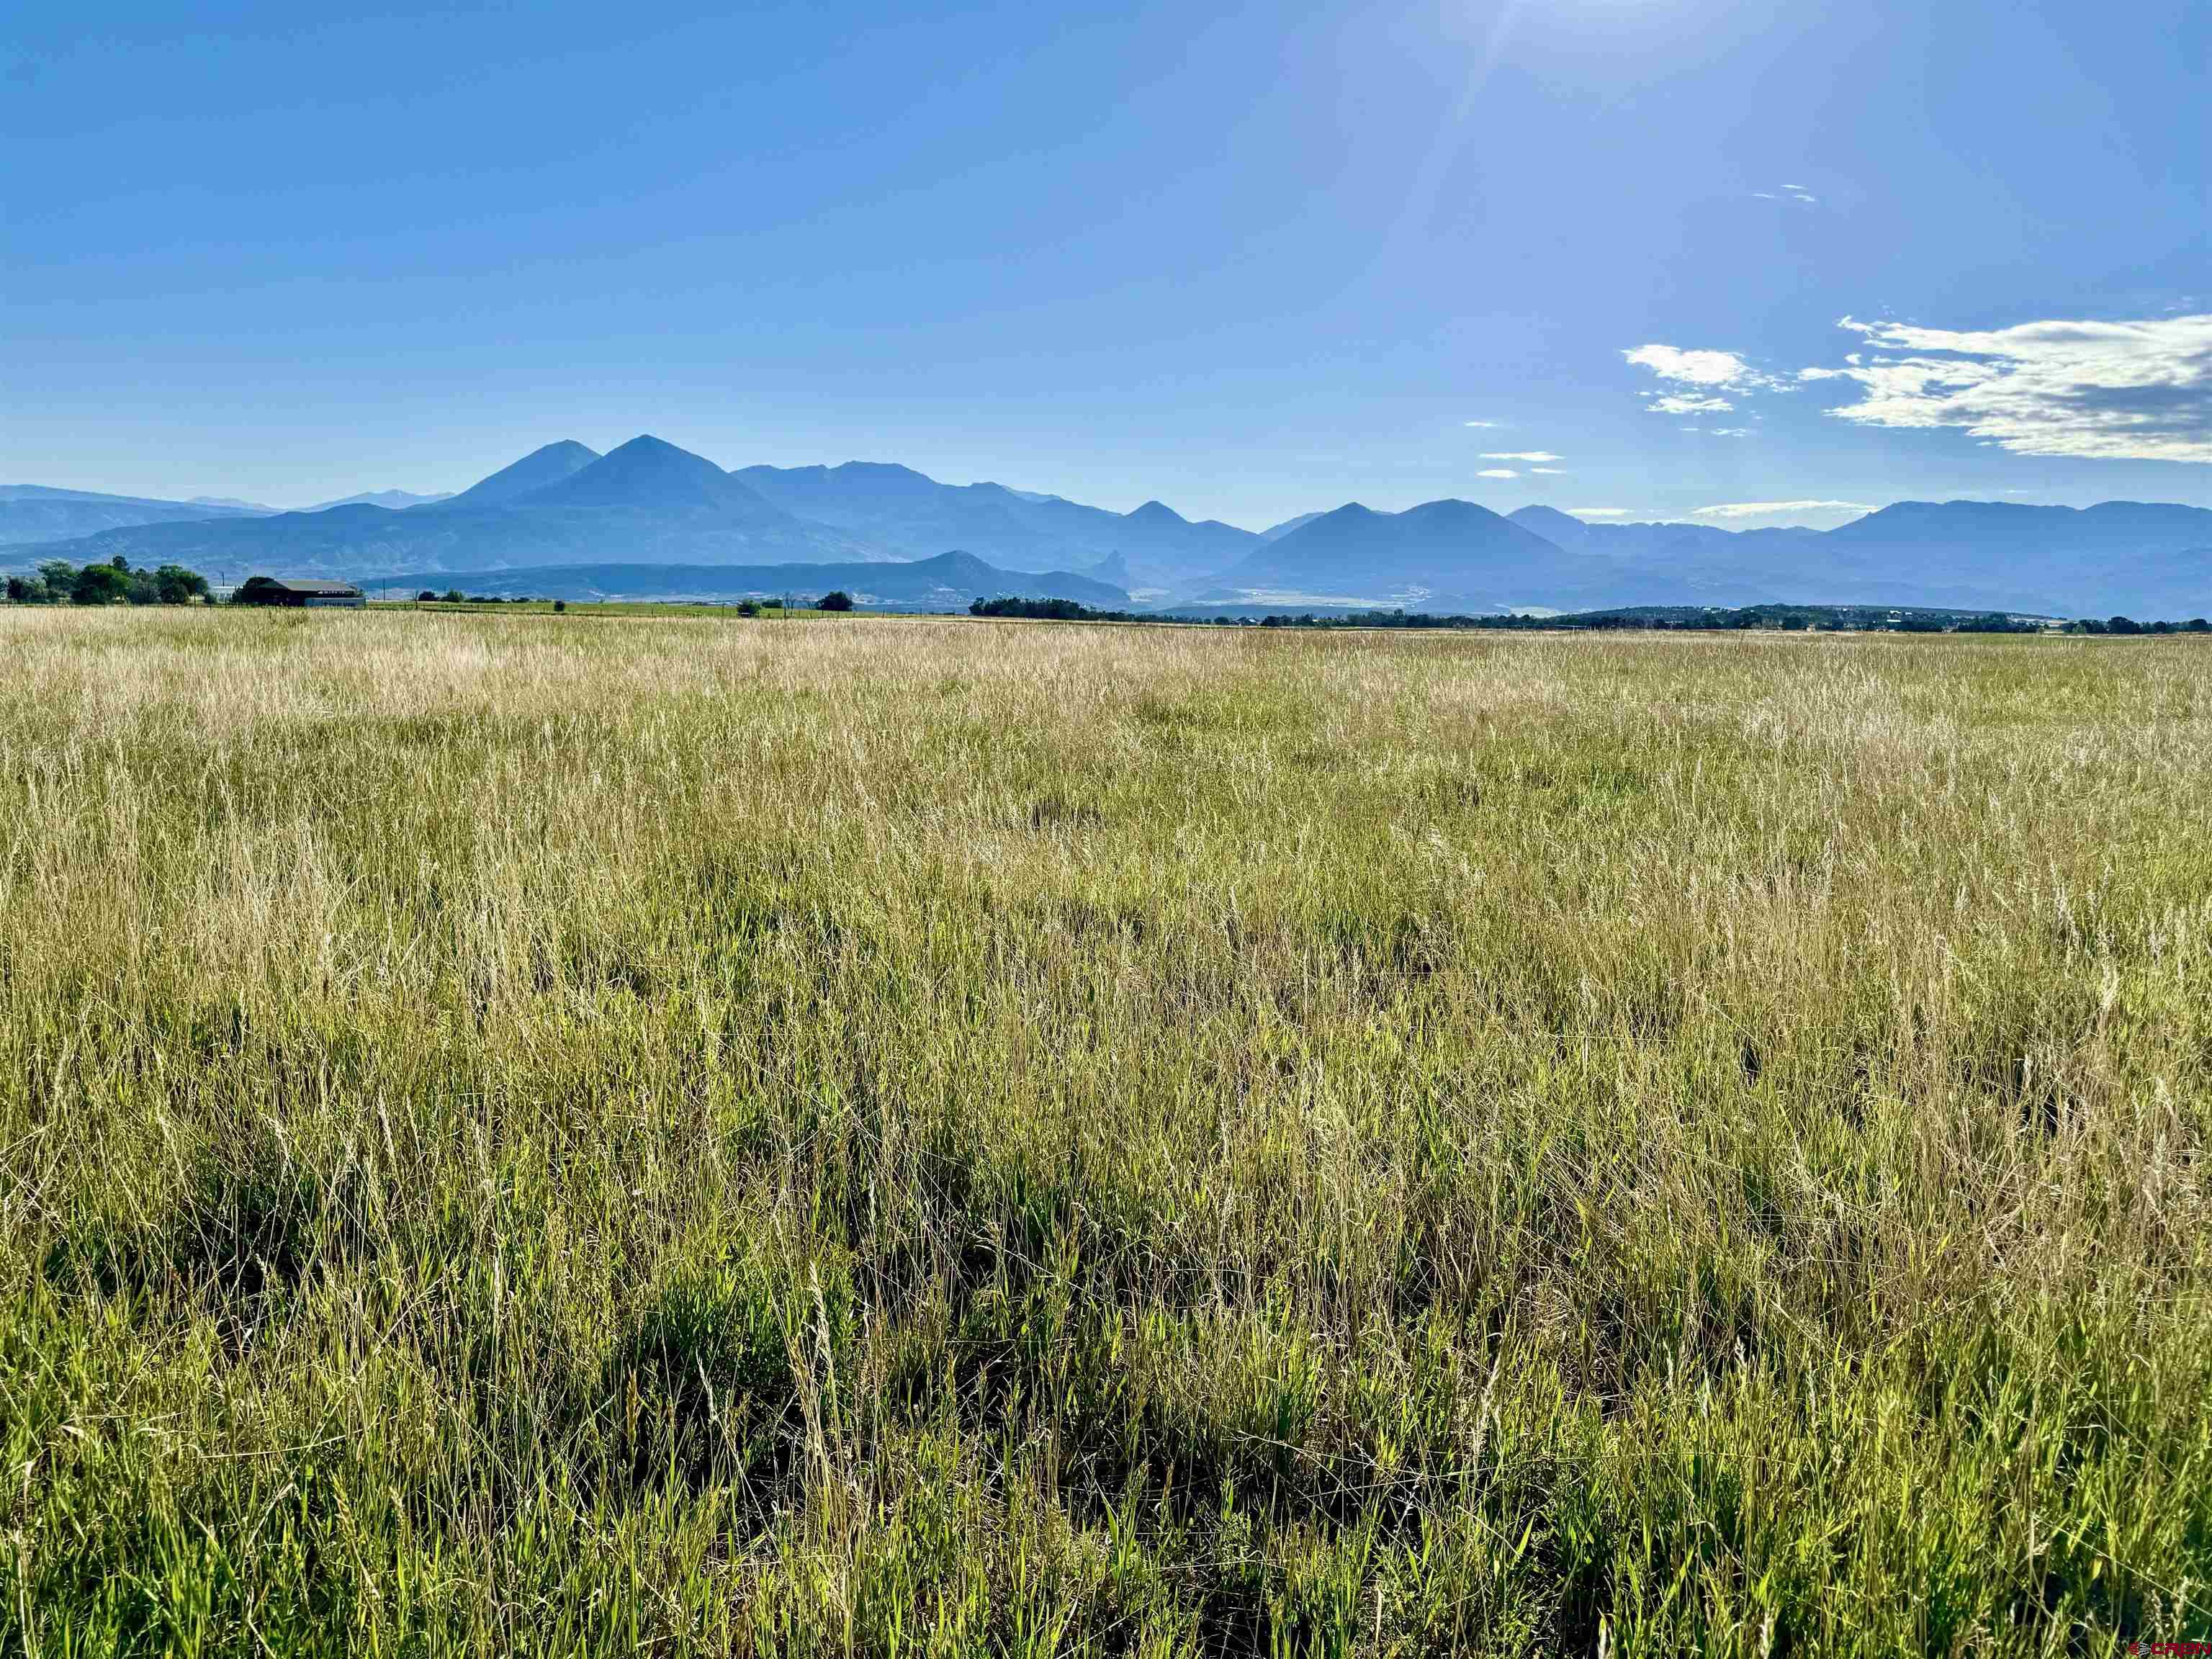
x,y
31,514
650,518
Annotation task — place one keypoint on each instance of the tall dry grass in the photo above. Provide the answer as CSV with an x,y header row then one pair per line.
x,y
531,1134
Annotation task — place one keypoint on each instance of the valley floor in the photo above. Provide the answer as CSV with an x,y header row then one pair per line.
x,y
695,1135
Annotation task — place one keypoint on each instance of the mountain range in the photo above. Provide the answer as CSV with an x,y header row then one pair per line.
x,y
31,514
648,518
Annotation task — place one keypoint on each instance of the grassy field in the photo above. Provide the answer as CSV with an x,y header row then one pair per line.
x,y
628,610
524,1136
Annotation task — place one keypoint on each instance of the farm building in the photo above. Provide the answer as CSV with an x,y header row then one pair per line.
x,y
270,590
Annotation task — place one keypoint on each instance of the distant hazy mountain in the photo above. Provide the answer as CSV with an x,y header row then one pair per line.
x,y
909,515
539,468
2117,557
1447,552
1665,562
648,501
1276,532
946,582
1114,568
650,504
32,514
395,498
1560,529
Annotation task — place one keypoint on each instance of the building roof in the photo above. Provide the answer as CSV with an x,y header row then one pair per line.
x,y
313,589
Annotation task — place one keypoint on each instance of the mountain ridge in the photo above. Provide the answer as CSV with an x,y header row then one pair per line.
x,y
33,515
649,503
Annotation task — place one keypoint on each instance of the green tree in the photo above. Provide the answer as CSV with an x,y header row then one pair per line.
x,y
100,584
836,599
175,585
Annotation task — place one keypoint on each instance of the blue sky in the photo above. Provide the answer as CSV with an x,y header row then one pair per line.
x,y
1252,260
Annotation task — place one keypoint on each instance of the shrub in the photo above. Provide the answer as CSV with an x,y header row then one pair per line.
x,y
837,599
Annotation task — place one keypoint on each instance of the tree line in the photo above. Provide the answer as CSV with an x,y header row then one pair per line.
x,y
59,582
1781,618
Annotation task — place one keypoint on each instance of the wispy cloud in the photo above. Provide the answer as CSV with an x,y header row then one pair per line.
x,y
1693,380
1731,432
1796,193
1484,425
1777,510
2121,390
1601,512
1498,472
1522,455
1549,472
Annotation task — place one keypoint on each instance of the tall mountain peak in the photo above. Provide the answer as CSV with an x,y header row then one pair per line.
x,y
548,465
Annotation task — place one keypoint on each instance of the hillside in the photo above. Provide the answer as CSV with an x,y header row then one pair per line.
x,y
946,582
648,501
900,510
2137,558
1446,553
536,470
31,514
396,499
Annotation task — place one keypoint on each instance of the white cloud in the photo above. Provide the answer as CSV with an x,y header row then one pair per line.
x,y
1679,367
2123,391
1599,512
1774,509
1485,425
1522,455
1732,432
1693,381
1498,472
1549,472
